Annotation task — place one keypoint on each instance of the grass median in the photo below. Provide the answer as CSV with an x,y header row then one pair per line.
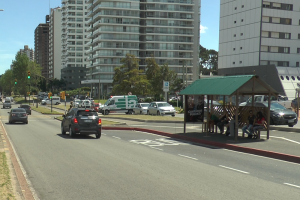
x,y
104,122
144,117
43,110
6,191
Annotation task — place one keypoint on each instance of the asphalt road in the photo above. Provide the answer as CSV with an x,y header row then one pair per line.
x,y
136,165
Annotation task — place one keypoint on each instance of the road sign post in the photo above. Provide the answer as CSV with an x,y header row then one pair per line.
x,y
166,87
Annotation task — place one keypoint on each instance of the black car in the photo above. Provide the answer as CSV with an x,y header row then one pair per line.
x,y
279,115
18,115
82,121
27,108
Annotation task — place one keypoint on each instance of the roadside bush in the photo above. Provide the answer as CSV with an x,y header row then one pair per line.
x,y
174,103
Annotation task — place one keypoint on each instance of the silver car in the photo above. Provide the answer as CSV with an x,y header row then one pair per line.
x,y
161,108
141,108
7,103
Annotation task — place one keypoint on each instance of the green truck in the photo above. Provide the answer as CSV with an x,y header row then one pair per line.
x,y
119,104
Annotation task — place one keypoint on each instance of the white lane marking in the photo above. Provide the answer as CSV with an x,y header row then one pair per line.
x,y
187,157
297,186
261,156
234,169
283,138
116,137
156,148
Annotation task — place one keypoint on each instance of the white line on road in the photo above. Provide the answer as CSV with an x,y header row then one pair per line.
x,y
297,186
156,148
283,138
116,137
234,169
188,157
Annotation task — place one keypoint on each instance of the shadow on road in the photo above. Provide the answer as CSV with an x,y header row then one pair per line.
x,y
77,136
16,123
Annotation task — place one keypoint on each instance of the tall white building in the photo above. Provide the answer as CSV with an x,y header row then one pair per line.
x,y
73,41
167,30
260,33
55,46
29,52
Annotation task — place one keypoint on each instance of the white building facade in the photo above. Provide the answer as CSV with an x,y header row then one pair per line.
x,y
167,30
73,35
55,64
260,32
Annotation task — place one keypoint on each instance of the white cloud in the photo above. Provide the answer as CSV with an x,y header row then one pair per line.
x,y
203,29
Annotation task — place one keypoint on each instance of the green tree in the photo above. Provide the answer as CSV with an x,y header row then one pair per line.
x,y
21,65
7,82
128,77
208,61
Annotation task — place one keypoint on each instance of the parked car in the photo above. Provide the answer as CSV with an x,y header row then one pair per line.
x,y
279,115
161,108
18,115
83,121
27,108
141,108
55,101
173,99
7,103
86,104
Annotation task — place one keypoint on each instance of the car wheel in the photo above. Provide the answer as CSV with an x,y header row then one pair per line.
x,y
26,122
98,135
71,132
63,132
158,113
290,125
129,112
148,113
106,112
10,122
272,122
173,115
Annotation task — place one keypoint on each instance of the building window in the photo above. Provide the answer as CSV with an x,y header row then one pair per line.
x,y
293,78
298,50
234,35
235,8
242,6
233,49
242,34
235,22
242,20
241,48
241,62
233,63
298,36
297,64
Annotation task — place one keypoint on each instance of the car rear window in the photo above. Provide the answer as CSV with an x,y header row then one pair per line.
x,y
18,110
24,106
86,113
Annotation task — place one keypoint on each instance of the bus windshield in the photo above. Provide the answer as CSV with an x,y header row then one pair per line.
x,y
107,102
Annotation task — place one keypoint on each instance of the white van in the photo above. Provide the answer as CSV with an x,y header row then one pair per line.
x,y
55,101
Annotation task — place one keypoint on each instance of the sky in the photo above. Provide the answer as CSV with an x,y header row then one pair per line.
x,y
21,17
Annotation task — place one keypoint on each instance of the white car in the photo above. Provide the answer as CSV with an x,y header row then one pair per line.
x,y
86,104
161,108
141,108
77,103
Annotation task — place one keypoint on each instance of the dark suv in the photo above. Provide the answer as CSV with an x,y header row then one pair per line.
x,y
83,121
27,108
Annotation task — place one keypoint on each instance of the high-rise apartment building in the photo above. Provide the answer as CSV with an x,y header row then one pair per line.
x,y
73,34
41,47
261,33
166,30
55,46
29,52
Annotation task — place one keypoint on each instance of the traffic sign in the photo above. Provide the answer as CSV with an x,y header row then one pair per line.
x,y
166,86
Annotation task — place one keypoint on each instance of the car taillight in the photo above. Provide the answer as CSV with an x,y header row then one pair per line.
x,y
75,120
13,114
99,122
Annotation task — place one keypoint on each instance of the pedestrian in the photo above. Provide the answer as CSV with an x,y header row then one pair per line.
x,y
250,121
213,119
224,120
258,123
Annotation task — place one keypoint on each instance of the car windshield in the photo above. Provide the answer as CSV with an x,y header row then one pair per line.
x,y
163,104
107,102
18,111
24,106
145,104
275,106
86,113
7,101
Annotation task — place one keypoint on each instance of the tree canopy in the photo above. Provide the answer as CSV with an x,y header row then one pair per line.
x,y
208,60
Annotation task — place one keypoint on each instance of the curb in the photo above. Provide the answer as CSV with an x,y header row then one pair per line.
x,y
270,154
141,120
